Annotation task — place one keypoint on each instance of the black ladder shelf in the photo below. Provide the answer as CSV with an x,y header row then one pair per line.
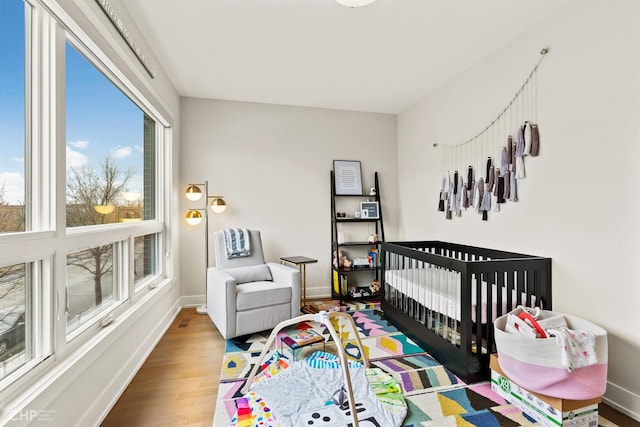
x,y
358,278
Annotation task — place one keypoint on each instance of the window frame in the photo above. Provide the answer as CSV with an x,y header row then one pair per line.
x,y
46,240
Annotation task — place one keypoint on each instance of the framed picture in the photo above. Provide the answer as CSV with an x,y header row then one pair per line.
x,y
347,177
369,210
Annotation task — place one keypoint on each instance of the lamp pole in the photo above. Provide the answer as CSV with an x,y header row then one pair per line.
x,y
202,309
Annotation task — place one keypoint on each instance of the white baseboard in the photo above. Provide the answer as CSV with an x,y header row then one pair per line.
x,y
191,300
318,293
622,400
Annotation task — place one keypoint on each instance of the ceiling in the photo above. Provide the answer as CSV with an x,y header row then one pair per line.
x,y
380,58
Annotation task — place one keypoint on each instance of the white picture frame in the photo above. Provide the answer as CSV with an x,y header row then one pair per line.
x,y
369,210
347,177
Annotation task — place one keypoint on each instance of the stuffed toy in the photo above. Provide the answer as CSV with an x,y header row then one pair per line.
x,y
374,287
341,260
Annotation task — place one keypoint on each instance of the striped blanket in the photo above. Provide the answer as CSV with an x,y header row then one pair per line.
x,y
236,242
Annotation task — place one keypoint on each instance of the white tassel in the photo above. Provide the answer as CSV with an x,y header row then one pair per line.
x,y
527,138
520,168
513,194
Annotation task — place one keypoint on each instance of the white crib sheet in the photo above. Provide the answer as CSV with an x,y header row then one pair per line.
x,y
438,289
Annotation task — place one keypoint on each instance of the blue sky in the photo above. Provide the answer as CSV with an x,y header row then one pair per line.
x,y
101,120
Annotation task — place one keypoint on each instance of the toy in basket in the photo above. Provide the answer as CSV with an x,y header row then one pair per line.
x,y
552,353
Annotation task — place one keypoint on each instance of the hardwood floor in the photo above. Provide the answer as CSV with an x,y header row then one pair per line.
x,y
178,383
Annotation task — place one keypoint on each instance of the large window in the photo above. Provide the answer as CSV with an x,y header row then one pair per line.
x,y
111,178
110,149
12,115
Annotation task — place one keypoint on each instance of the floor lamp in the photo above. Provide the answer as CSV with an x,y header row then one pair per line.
x,y
194,217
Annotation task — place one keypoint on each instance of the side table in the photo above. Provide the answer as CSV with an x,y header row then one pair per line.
x,y
301,262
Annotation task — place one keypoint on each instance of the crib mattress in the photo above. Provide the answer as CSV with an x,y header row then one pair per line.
x,y
438,289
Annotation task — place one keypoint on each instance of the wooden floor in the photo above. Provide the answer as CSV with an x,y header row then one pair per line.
x,y
178,383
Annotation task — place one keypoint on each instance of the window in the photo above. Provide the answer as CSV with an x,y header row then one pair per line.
x,y
110,179
110,150
145,259
91,285
12,116
14,345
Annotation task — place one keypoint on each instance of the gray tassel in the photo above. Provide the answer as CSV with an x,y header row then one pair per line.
x,y
480,195
507,184
442,195
520,154
535,140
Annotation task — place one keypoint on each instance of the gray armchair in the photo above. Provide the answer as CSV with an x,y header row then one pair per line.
x,y
247,295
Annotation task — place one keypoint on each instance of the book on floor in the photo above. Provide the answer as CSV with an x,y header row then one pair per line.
x,y
302,338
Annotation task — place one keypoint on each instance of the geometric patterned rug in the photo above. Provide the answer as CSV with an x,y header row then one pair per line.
x,y
435,397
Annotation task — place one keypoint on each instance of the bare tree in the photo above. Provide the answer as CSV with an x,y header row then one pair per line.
x,y
12,276
86,189
11,216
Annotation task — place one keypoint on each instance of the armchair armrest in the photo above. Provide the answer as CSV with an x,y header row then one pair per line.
x,y
221,301
291,276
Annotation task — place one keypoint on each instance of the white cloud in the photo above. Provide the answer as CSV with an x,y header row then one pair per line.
x,y
139,148
18,159
80,145
13,184
76,159
121,152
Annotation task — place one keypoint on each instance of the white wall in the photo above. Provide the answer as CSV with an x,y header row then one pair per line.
x,y
272,164
579,202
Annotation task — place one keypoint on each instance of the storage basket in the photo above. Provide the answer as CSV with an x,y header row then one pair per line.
x,y
536,364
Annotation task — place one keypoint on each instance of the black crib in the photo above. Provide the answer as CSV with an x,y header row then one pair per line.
x,y
430,291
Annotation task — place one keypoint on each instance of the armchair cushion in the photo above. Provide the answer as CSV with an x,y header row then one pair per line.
x,y
254,295
251,273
